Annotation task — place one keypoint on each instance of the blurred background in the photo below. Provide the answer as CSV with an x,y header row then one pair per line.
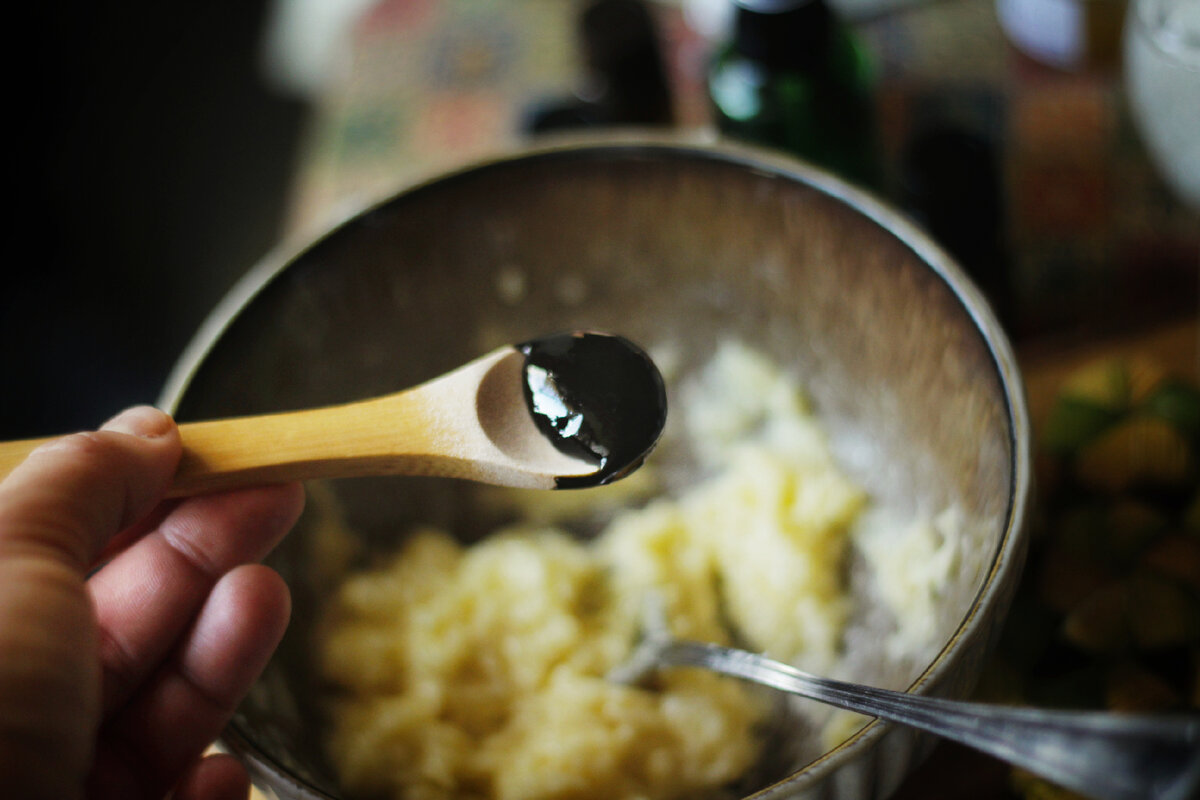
x,y
173,148
154,161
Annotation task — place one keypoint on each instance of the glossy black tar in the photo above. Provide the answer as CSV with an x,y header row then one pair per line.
x,y
597,397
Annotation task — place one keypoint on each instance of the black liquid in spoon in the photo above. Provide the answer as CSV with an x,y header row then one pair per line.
x,y
596,397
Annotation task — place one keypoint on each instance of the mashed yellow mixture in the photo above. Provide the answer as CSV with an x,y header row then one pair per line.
x,y
480,672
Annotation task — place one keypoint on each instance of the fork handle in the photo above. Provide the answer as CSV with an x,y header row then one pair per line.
x,y
1104,755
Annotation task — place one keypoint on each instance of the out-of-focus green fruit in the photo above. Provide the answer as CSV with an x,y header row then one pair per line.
x,y
1176,557
1132,526
1191,517
1132,687
1140,451
1031,787
1178,403
1109,613
1103,383
1144,376
1065,579
1075,421
1099,623
1161,611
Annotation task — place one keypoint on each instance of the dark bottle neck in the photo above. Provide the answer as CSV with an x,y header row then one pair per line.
x,y
783,34
621,51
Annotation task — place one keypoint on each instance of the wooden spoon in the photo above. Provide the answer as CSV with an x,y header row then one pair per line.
x,y
568,410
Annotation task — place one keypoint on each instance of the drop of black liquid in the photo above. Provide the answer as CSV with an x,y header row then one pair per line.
x,y
596,397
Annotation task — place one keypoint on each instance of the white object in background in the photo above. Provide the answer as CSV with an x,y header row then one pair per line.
x,y
1162,77
1051,31
305,41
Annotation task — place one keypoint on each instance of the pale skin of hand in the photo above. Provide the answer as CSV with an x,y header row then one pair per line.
x,y
130,627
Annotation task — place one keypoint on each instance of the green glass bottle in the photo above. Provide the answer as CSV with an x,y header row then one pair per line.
x,y
792,76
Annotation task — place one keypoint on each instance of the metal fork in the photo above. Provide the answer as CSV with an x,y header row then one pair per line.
x,y
1108,756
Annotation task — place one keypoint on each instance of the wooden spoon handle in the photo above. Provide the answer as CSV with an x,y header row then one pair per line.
x,y
368,438
375,437
471,423
13,453
460,425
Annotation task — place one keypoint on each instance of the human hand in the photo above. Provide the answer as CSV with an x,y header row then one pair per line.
x,y
113,685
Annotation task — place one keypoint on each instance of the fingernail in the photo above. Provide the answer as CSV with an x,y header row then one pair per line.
x,y
147,422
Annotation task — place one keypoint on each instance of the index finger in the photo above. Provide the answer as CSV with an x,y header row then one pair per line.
x,y
71,495
57,508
